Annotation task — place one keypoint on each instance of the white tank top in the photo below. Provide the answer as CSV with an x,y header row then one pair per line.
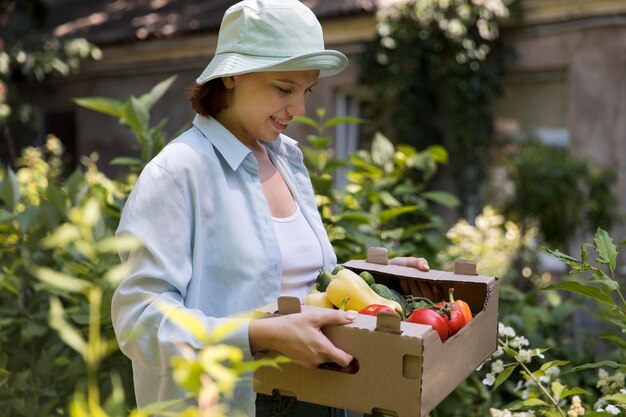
x,y
301,253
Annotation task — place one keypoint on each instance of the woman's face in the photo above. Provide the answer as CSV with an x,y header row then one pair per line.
x,y
261,104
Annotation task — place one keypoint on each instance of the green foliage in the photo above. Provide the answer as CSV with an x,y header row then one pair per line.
x,y
544,390
134,115
435,70
385,201
562,194
59,266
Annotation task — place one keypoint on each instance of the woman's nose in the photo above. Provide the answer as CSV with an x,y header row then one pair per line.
x,y
298,106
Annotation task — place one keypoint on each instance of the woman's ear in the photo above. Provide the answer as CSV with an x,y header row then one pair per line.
x,y
229,82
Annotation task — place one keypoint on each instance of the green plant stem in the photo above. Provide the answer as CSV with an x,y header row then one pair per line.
x,y
555,403
93,354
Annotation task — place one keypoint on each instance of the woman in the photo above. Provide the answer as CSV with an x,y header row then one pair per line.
x,y
226,212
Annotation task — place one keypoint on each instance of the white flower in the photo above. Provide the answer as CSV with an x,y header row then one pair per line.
x,y
524,355
518,342
489,379
506,331
497,366
612,409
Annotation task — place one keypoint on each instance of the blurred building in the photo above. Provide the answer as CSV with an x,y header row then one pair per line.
x,y
567,85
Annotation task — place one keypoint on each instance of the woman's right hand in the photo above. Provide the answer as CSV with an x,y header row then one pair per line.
x,y
299,336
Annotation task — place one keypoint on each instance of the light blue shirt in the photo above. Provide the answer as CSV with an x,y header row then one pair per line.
x,y
209,247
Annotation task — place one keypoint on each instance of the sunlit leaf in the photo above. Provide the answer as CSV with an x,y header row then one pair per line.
x,y
185,320
573,391
533,402
606,249
10,189
149,99
557,388
68,333
221,331
306,120
122,243
390,214
101,104
61,236
135,114
382,150
60,280
438,153
126,160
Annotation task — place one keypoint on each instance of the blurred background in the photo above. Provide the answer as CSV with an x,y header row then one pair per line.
x,y
481,129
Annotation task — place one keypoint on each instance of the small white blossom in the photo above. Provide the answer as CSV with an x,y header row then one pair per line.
x,y
518,342
524,355
489,379
497,366
506,331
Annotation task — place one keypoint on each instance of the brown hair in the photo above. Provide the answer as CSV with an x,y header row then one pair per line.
x,y
208,99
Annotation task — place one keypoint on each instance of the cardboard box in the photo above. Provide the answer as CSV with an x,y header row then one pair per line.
x,y
404,368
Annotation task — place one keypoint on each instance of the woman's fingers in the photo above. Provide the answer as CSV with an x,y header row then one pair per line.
x,y
411,261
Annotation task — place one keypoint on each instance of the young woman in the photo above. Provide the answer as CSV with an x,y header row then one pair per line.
x,y
226,212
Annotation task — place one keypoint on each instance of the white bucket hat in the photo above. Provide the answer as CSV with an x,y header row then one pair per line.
x,y
271,35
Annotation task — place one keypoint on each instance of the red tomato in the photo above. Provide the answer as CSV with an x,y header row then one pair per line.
x,y
432,318
455,321
374,309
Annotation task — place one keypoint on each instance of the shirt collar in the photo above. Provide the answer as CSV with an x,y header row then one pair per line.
x,y
233,151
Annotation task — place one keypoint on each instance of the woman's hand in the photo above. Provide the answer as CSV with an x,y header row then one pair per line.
x,y
417,288
299,337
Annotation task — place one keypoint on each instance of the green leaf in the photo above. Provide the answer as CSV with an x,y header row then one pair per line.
x,y
102,105
306,121
568,260
360,217
601,364
557,388
149,99
343,119
442,197
503,376
57,198
606,249
552,364
618,398
319,142
184,320
390,214
389,200
438,153
582,289
534,402
61,280
135,114
28,218
382,150
10,190
573,391
126,160
68,333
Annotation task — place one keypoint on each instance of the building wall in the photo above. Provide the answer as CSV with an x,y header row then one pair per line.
x,y
568,86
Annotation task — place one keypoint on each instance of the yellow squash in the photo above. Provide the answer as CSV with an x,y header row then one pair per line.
x,y
348,284
317,298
